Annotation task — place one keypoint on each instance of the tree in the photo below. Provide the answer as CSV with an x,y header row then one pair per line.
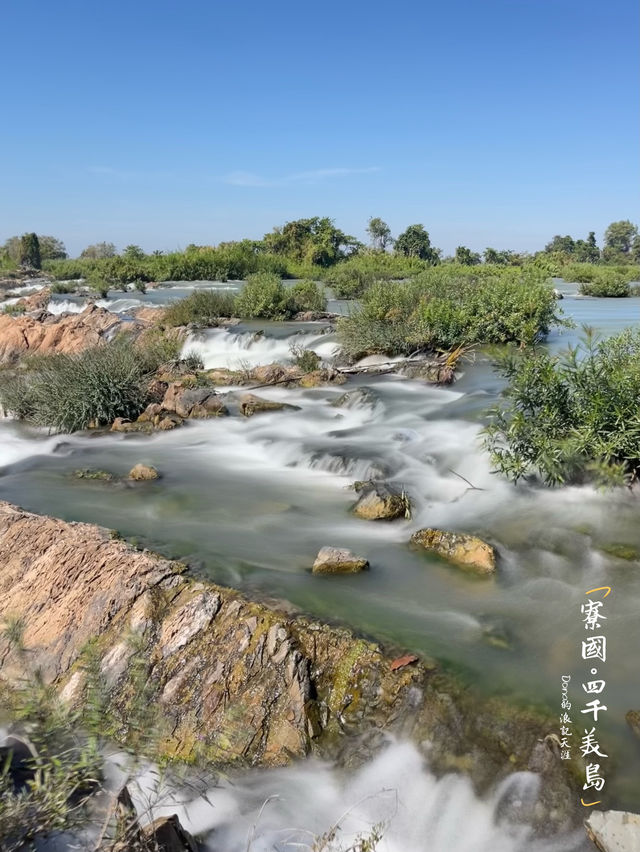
x,y
415,242
30,251
587,251
133,252
380,233
635,250
52,248
98,251
620,235
314,240
566,245
467,257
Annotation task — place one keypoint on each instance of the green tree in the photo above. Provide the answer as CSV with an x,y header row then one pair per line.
x,y
620,236
52,248
133,252
566,245
380,233
30,251
587,251
314,240
635,250
99,251
415,242
466,257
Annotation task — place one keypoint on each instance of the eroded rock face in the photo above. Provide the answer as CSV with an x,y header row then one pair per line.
x,y
338,560
28,335
234,680
467,551
186,401
614,831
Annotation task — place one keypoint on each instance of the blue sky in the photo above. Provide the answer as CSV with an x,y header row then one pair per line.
x,y
492,122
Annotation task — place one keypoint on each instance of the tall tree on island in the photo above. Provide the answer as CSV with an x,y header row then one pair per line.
x,y
30,251
380,233
415,242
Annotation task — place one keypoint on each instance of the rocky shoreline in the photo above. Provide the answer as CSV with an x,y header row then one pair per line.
x,y
237,681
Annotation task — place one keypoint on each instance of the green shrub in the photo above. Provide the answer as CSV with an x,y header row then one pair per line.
x,y
607,283
308,296
265,296
447,306
306,359
15,310
579,273
70,392
572,417
61,287
350,278
202,308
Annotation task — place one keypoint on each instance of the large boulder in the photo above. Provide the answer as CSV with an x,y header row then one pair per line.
x,y
143,472
467,551
614,831
188,401
380,502
338,560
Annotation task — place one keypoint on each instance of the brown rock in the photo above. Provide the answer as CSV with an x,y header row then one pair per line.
x,y
614,831
378,502
166,834
188,401
633,720
36,301
251,404
142,472
338,560
468,551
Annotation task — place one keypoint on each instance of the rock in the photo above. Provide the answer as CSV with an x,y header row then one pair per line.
x,y
236,681
378,502
461,549
633,720
614,831
36,301
251,404
271,374
28,335
338,560
355,399
142,472
166,834
188,401
434,372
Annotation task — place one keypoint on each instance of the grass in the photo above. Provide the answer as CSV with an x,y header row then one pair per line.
x,y
71,392
571,418
448,306
202,308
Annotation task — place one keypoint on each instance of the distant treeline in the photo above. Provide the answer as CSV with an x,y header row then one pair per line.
x,y
315,248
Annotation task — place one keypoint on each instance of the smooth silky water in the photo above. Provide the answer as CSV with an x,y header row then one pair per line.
x,y
249,502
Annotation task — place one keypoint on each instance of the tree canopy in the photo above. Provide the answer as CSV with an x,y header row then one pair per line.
x,y
380,233
415,242
620,235
30,251
99,251
314,240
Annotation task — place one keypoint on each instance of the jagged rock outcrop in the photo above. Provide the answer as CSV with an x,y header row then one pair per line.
x,y
36,301
467,551
234,680
380,502
46,333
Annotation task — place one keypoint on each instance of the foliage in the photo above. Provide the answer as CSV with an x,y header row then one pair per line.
x,y
16,309
350,278
99,251
466,257
572,417
619,236
70,392
308,296
607,282
315,240
202,308
265,296
50,248
30,251
306,359
380,233
448,306
415,242
61,287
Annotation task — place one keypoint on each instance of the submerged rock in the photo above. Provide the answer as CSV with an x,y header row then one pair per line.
x,y
338,560
468,551
379,502
186,401
142,472
614,831
633,720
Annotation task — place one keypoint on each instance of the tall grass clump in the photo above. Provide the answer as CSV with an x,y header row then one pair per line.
x,y
71,392
264,296
202,308
446,307
572,417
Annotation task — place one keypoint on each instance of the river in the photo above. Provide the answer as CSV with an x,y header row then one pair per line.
x,y
249,502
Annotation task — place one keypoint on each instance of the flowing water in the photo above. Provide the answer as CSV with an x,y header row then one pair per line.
x,y
249,502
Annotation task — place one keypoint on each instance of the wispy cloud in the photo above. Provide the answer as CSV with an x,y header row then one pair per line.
x,y
249,179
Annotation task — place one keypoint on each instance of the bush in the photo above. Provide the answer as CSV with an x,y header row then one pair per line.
x,y
15,310
448,306
61,287
265,296
202,308
607,283
306,359
70,392
573,417
350,278
308,296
